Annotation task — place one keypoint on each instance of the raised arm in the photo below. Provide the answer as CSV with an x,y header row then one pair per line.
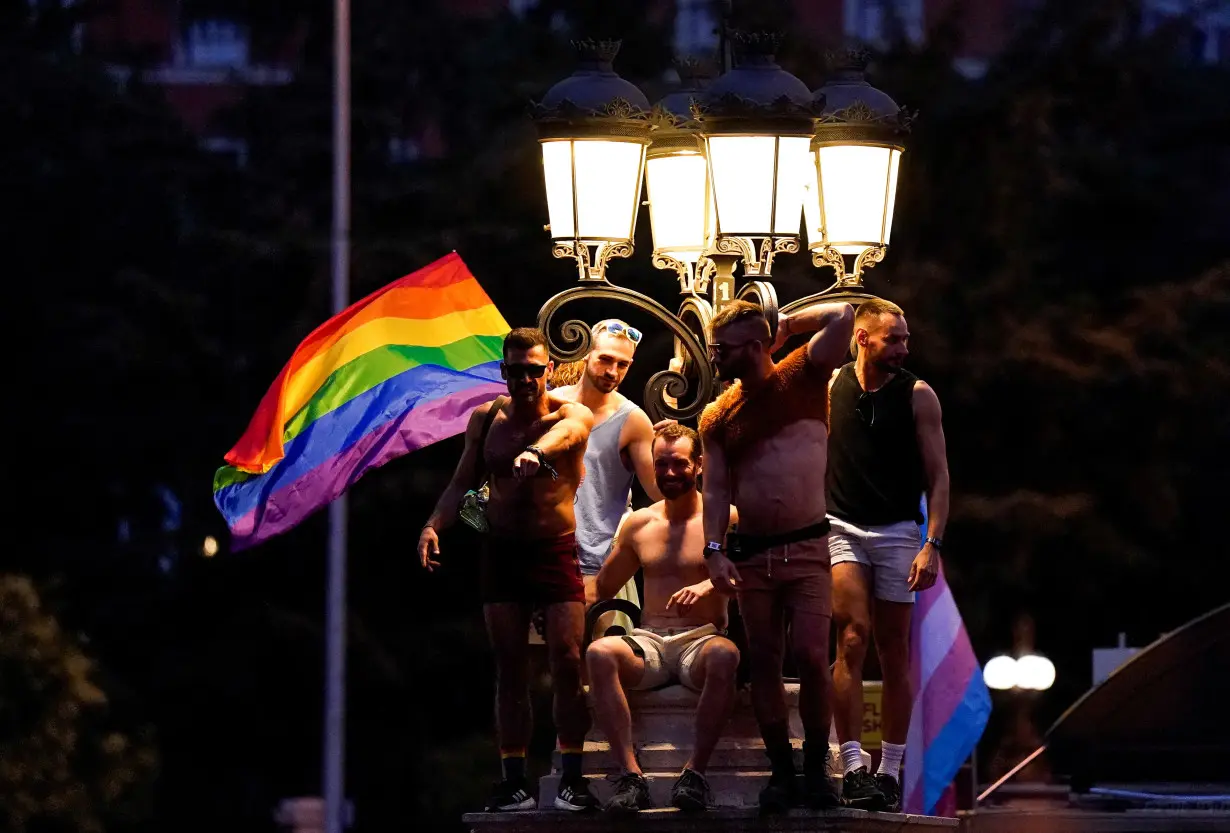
x,y
929,428
833,324
638,436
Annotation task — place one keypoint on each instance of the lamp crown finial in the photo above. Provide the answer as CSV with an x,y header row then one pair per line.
x,y
756,47
597,50
851,61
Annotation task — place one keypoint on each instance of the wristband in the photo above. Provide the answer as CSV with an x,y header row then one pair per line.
x,y
542,461
938,543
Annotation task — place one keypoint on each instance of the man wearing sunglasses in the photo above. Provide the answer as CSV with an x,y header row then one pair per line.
x,y
532,451
765,441
620,445
886,449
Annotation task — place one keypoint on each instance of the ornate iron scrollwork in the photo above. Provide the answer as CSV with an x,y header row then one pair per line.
x,y
591,269
682,268
766,296
574,343
867,258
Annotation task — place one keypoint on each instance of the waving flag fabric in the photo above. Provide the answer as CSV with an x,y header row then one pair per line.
x,y
397,371
951,701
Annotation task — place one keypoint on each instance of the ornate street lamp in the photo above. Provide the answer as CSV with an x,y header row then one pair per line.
x,y
732,169
757,122
594,128
681,207
856,155
682,210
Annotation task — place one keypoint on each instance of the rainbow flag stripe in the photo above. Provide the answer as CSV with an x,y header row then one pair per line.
x,y
397,371
951,702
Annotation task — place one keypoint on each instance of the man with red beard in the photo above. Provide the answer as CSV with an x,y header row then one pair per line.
x,y
682,637
765,444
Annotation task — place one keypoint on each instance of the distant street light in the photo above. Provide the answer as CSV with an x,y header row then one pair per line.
x,y
1035,673
1000,673
1030,672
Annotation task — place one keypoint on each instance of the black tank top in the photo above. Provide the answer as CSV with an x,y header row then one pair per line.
x,y
875,473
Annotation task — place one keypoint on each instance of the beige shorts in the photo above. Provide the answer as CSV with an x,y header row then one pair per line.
x,y
669,653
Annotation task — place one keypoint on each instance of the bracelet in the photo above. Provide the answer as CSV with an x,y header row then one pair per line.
x,y
938,543
542,461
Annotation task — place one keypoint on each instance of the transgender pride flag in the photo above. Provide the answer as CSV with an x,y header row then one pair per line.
x,y
951,701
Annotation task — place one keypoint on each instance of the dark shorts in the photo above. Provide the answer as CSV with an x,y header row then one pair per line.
x,y
531,571
790,566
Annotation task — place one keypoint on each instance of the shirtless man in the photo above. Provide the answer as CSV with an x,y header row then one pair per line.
x,y
619,446
765,444
682,634
533,453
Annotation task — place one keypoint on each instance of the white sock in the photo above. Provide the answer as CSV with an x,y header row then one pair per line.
x,y
851,755
890,759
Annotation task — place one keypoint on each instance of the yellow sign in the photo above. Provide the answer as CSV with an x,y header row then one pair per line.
x,y
871,714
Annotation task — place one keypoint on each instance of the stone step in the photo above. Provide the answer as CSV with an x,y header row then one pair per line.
x,y
720,820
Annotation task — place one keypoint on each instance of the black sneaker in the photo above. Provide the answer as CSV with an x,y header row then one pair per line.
x,y
859,790
510,796
780,794
819,791
691,792
574,796
631,795
892,792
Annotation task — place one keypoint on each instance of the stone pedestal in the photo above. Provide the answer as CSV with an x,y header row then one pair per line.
x,y
662,731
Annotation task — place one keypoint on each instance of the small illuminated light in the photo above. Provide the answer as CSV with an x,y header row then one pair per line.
x,y
1035,673
210,547
1001,673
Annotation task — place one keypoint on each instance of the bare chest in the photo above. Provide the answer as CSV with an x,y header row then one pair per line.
x,y
507,439
667,548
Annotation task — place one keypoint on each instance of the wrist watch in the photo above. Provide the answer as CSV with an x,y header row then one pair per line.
x,y
938,543
713,547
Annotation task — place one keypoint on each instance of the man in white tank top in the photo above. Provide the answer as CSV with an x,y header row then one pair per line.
x,y
620,447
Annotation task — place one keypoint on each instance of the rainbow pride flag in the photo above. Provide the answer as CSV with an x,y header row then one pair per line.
x,y
397,371
951,701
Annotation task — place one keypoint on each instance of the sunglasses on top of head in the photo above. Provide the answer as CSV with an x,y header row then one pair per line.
x,y
616,328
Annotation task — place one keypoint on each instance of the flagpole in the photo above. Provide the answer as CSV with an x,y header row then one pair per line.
x,y
335,590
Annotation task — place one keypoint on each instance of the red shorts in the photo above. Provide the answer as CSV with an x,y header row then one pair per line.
x,y
531,571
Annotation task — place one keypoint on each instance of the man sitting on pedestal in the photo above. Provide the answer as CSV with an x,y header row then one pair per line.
x,y
682,635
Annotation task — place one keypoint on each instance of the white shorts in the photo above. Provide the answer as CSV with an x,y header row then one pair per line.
x,y
669,654
888,550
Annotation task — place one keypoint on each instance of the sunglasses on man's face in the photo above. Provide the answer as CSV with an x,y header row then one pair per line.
x,y
615,328
517,371
718,348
